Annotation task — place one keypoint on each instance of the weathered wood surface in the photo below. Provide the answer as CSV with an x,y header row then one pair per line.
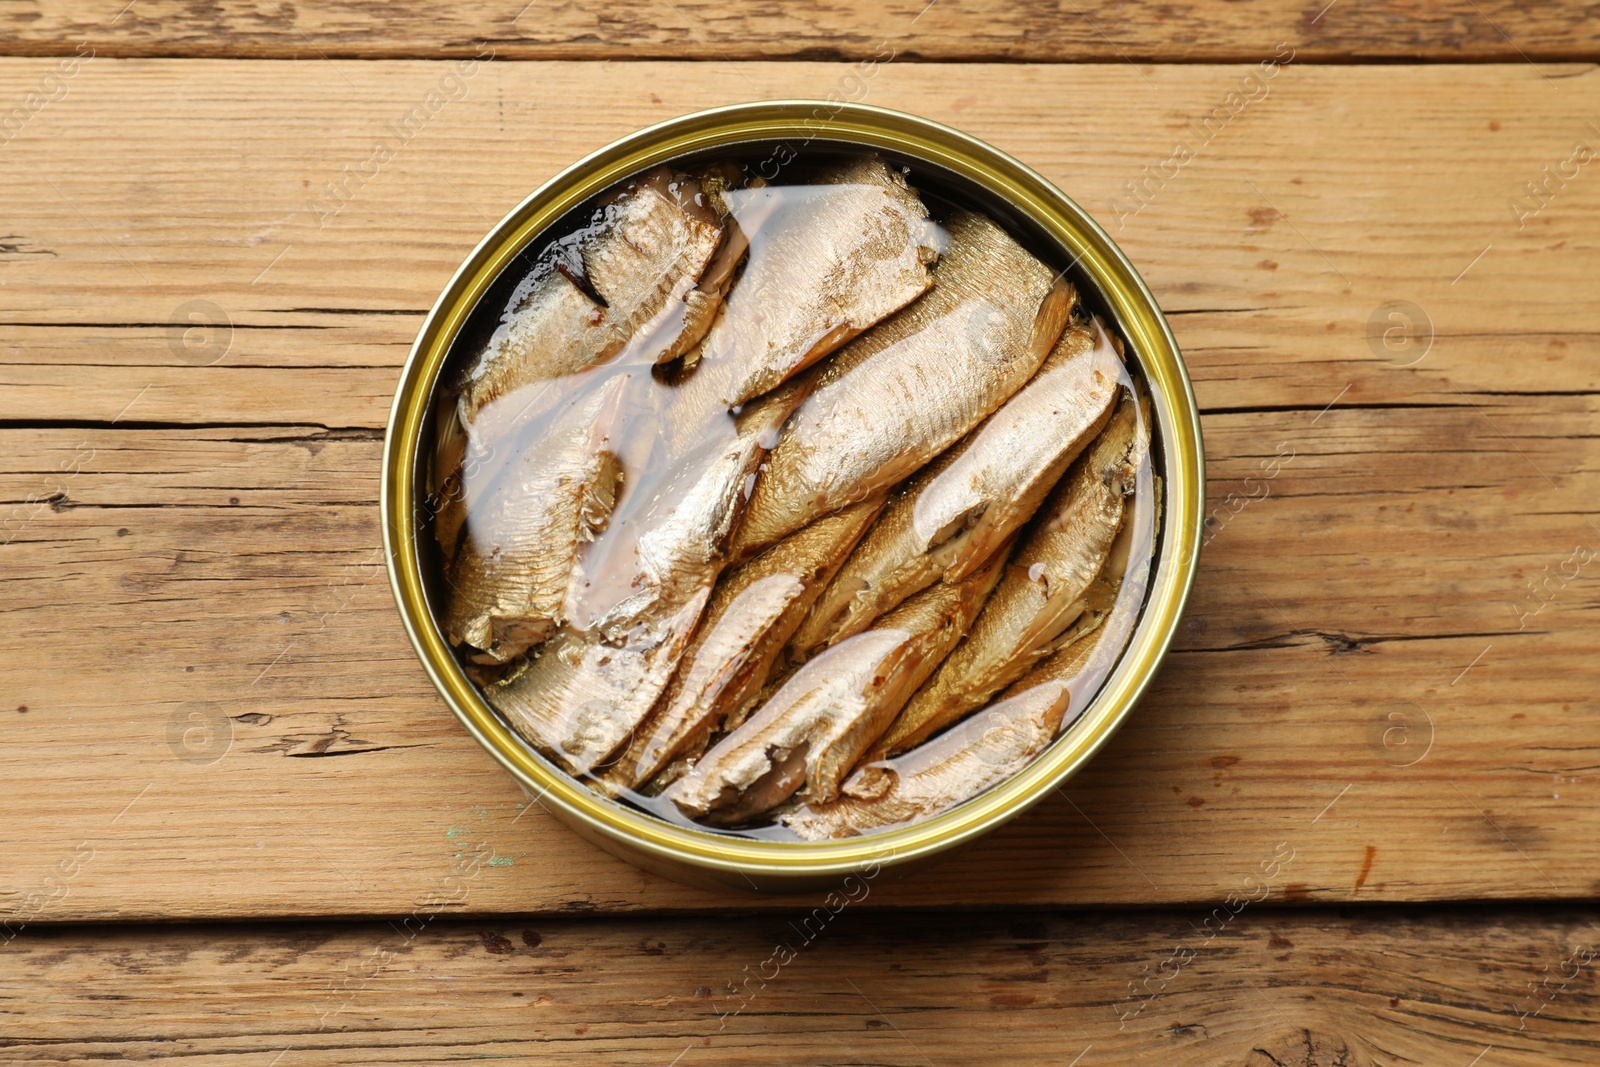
x,y
154,184
1365,675
1356,590
1033,30
819,986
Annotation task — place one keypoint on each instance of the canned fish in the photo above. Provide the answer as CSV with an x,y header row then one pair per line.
x,y
784,492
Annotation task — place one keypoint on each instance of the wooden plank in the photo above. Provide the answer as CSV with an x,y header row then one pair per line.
x,y
1289,238
1384,573
814,986
1033,30
1386,666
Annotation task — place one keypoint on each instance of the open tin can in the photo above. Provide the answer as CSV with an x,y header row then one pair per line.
x,y
773,134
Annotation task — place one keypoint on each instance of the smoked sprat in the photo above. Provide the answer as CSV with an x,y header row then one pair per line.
x,y
800,509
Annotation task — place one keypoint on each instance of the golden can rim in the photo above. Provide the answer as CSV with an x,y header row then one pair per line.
x,y
862,126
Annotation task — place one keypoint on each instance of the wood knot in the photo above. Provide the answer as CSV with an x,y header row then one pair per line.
x,y
1305,1048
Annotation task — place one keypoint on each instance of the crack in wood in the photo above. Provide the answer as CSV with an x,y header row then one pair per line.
x,y
356,432
158,325
1339,644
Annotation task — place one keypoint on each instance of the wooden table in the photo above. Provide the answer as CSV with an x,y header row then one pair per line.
x,y
240,828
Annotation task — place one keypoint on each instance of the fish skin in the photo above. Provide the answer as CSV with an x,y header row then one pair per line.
x,y
584,695
579,698
702,303
1087,646
510,578
970,758
683,545
810,733
1114,600
752,768
956,512
553,329
826,261
1043,592
912,385
888,565
650,245
990,746
1022,450
752,613
663,246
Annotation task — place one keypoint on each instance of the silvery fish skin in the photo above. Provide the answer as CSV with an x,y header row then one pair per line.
x,y
1091,645
591,685
890,564
987,748
1021,451
509,581
956,766
579,697
552,329
959,510
1114,600
810,733
1043,592
620,281
626,281
664,261
681,540
702,303
826,261
914,384
752,613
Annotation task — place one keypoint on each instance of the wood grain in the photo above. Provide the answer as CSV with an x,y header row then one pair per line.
x,y
1312,989
1324,663
221,704
1032,30
1288,239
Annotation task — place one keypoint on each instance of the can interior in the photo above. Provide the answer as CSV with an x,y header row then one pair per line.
x,y
942,190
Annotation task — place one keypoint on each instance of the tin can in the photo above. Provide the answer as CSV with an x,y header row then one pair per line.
x,y
781,129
